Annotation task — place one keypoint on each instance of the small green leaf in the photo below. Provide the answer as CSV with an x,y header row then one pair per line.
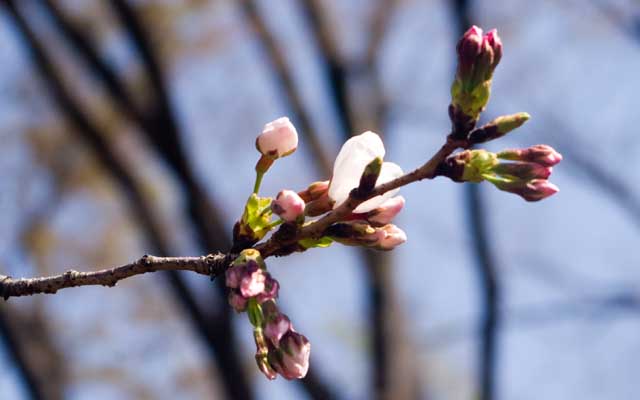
x,y
257,215
308,243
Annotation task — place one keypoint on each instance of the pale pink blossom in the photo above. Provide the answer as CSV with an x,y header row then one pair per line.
x,y
279,138
288,205
354,156
387,211
389,236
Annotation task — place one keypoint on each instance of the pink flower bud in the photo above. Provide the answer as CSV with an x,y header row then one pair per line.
x,y
468,49
288,205
522,170
386,212
534,190
276,327
353,233
484,64
253,280
319,206
278,139
314,191
389,236
291,359
237,301
541,154
495,43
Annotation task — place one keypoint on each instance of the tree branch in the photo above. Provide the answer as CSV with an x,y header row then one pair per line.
x,y
215,264
211,265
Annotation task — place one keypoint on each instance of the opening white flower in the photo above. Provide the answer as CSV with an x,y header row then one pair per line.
x,y
354,156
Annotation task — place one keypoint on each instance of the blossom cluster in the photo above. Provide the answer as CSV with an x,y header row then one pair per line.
x,y
358,204
280,349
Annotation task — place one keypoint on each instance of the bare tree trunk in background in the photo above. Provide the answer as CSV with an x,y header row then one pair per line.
x,y
28,343
394,363
484,257
235,386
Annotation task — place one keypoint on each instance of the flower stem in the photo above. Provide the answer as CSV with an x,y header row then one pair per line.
x,y
256,185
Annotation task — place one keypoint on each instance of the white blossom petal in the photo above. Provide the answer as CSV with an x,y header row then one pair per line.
x,y
354,156
389,171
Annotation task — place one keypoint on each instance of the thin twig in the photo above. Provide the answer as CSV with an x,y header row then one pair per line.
x,y
210,265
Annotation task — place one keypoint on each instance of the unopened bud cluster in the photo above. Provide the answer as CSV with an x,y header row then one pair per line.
x,y
478,56
524,172
279,348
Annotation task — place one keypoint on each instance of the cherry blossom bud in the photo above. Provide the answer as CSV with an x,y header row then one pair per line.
x,y
386,212
522,170
291,359
478,57
319,206
483,66
496,45
353,233
467,166
389,236
288,205
279,138
275,327
314,191
498,127
354,156
468,49
533,190
541,154
253,280
237,301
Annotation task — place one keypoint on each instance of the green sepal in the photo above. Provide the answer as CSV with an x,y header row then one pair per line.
x,y
254,312
309,243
